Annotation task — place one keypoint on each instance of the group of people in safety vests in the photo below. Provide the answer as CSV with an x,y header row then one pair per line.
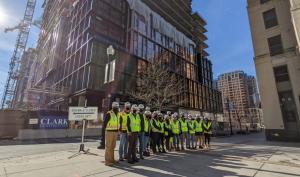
x,y
141,130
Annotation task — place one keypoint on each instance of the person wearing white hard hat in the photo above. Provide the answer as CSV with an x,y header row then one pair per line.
x,y
168,132
155,132
192,127
133,129
162,134
207,127
184,132
147,130
176,131
169,114
111,126
123,129
199,131
141,135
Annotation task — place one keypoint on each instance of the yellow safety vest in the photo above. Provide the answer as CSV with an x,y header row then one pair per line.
x,y
135,123
146,124
207,127
161,124
192,127
156,123
124,120
199,128
113,122
168,127
184,127
175,127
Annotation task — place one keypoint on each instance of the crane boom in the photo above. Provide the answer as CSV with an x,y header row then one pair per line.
x,y
14,65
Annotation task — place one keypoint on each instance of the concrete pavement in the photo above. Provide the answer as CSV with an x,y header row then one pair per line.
x,y
247,155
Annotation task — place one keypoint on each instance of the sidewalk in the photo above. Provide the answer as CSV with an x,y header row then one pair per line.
x,y
245,155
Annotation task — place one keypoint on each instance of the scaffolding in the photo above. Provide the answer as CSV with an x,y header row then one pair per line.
x,y
14,66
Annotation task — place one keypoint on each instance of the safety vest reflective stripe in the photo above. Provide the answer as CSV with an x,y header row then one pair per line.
x,y
124,120
175,127
199,128
153,121
135,123
113,122
184,127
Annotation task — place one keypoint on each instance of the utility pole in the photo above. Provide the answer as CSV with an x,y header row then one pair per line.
x,y
229,114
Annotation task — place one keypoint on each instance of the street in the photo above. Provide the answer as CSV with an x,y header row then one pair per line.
x,y
247,155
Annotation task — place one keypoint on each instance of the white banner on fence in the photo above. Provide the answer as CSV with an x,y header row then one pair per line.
x,y
81,113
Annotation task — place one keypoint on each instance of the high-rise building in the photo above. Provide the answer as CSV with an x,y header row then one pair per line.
x,y
275,34
51,47
252,92
140,31
237,90
23,98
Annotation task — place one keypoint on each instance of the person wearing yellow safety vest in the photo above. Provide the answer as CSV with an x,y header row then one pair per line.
x,y
147,128
192,127
133,129
169,114
207,125
155,131
184,132
123,129
141,136
199,131
111,126
168,132
162,134
176,131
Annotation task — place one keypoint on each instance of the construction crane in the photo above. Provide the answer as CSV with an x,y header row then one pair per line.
x,y
14,65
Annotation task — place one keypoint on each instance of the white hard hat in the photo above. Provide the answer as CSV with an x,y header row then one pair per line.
x,y
141,106
169,112
147,108
134,107
127,105
115,104
147,113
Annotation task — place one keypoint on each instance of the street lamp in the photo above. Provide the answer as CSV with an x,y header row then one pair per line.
x,y
229,114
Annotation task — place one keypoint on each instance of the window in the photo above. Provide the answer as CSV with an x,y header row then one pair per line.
x,y
281,73
270,18
275,45
264,1
110,72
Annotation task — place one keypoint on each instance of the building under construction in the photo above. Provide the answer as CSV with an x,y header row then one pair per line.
x,y
72,51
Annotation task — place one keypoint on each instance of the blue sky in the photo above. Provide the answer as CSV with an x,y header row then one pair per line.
x,y
229,36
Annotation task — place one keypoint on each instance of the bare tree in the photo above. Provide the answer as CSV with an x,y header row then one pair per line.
x,y
158,87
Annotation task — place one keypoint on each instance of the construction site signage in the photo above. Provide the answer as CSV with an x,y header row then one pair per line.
x,y
83,113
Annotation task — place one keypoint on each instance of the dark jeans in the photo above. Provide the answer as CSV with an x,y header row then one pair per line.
x,y
206,138
168,145
132,142
141,143
155,141
161,141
